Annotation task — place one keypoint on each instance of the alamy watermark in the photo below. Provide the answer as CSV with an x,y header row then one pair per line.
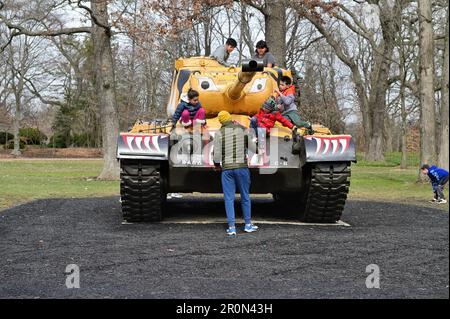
x,y
72,276
199,148
373,280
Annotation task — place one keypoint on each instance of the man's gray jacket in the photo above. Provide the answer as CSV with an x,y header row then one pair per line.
x,y
221,55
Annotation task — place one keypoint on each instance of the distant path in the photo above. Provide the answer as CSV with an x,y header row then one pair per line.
x,y
50,159
39,239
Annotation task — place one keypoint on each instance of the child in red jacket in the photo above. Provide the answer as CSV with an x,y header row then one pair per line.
x,y
265,120
267,116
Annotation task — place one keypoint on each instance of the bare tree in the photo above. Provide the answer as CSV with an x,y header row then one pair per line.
x,y
444,114
427,104
371,87
104,73
17,85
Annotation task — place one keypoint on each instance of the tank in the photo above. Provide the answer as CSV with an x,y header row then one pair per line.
x,y
308,175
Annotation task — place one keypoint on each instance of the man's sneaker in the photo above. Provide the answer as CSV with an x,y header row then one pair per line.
x,y
441,201
250,228
434,200
231,231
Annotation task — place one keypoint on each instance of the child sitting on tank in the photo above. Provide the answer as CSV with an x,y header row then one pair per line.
x,y
189,110
267,116
265,120
285,100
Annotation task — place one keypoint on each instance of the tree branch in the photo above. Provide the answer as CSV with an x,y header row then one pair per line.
x,y
35,92
260,8
366,34
94,18
17,29
33,89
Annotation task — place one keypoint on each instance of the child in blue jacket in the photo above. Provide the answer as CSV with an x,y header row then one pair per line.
x,y
438,177
190,110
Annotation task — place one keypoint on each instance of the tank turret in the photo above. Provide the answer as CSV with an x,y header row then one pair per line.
x,y
238,90
245,76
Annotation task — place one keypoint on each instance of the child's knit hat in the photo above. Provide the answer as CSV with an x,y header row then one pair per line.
x,y
224,116
270,104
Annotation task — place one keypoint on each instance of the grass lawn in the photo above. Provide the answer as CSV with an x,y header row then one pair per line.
x,y
26,180
385,181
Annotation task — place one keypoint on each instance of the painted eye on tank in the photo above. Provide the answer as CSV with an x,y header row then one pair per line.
x,y
258,85
207,84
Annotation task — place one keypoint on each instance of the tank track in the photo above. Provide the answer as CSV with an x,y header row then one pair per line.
x,y
327,190
142,190
323,195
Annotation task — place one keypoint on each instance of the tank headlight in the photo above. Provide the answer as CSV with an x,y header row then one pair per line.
x,y
207,84
258,85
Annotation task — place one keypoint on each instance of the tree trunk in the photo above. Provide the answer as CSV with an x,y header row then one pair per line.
x,y
275,27
207,32
379,80
245,32
18,91
387,135
16,127
443,154
105,85
377,107
404,160
427,105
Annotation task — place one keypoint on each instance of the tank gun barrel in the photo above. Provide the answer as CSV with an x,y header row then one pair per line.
x,y
248,71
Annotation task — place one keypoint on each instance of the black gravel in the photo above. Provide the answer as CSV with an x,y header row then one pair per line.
x,y
38,240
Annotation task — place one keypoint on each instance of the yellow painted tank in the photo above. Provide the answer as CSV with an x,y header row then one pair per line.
x,y
307,174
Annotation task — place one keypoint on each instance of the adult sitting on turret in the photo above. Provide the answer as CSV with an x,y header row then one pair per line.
x,y
262,53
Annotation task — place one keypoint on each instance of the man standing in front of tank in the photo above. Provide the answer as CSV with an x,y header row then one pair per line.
x,y
230,148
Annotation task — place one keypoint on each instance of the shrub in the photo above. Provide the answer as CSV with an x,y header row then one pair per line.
x,y
11,144
5,136
32,136
57,141
80,140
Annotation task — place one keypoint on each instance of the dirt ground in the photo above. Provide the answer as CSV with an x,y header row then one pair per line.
x,y
176,259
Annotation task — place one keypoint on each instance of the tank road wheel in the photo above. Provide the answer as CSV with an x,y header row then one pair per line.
x,y
142,190
327,189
